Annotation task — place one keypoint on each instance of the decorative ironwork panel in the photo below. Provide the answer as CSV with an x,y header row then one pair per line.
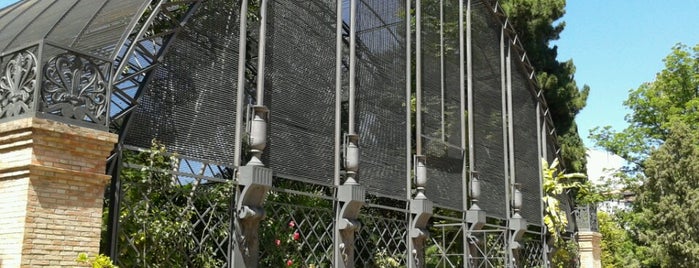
x,y
18,73
74,87
175,212
381,240
298,229
446,245
532,254
586,218
488,248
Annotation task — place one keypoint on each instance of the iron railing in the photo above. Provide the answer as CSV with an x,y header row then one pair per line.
x,y
586,218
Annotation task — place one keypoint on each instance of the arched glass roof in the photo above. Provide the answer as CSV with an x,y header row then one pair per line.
x,y
90,26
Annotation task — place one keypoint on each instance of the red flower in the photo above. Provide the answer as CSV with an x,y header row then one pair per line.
x,y
289,262
292,224
277,242
297,235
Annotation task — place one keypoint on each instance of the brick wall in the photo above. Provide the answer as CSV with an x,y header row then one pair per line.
x,y
51,188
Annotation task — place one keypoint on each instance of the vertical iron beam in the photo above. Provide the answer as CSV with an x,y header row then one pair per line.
x,y
240,98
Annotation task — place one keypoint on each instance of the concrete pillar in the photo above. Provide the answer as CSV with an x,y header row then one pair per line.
x,y
52,181
589,246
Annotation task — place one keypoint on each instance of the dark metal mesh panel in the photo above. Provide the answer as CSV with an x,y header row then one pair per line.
x,y
442,103
381,96
107,26
444,169
526,151
190,103
550,148
441,87
89,25
432,99
300,88
487,109
73,22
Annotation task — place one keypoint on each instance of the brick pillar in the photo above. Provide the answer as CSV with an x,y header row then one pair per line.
x,y
52,181
589,245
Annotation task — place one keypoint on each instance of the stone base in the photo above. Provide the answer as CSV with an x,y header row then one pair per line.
x,y
51,189
589,246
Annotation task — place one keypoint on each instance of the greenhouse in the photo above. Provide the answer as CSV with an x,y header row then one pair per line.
x,y
275,133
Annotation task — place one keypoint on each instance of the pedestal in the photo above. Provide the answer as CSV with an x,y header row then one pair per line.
x,y
52,181
590,251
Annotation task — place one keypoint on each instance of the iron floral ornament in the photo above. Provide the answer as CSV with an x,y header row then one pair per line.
x,y
74,87
17,85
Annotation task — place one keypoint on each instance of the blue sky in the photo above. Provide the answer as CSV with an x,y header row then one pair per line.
x,y
4,3
618,45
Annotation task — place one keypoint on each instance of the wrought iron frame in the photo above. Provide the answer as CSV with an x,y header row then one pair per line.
x,y
46,79
139,52
586,218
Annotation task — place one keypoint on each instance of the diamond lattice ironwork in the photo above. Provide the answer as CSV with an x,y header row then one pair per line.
x,y
488,248
445,247
175,212
297,233
382,237
533,253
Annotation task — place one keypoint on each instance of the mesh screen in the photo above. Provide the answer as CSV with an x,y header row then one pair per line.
x,y
487,109
190,103
108,25
432,77
526,151
550,148
444,169
381,96
440,66
442,101
300,88
73,22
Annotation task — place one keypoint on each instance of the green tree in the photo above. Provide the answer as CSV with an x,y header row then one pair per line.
x,y
661,143
537,24
656,106
618,249
668,201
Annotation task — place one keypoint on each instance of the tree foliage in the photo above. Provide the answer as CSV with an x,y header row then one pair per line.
x,y
161,214
656,106
618,249
661,143
555,185
537,23
668,201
